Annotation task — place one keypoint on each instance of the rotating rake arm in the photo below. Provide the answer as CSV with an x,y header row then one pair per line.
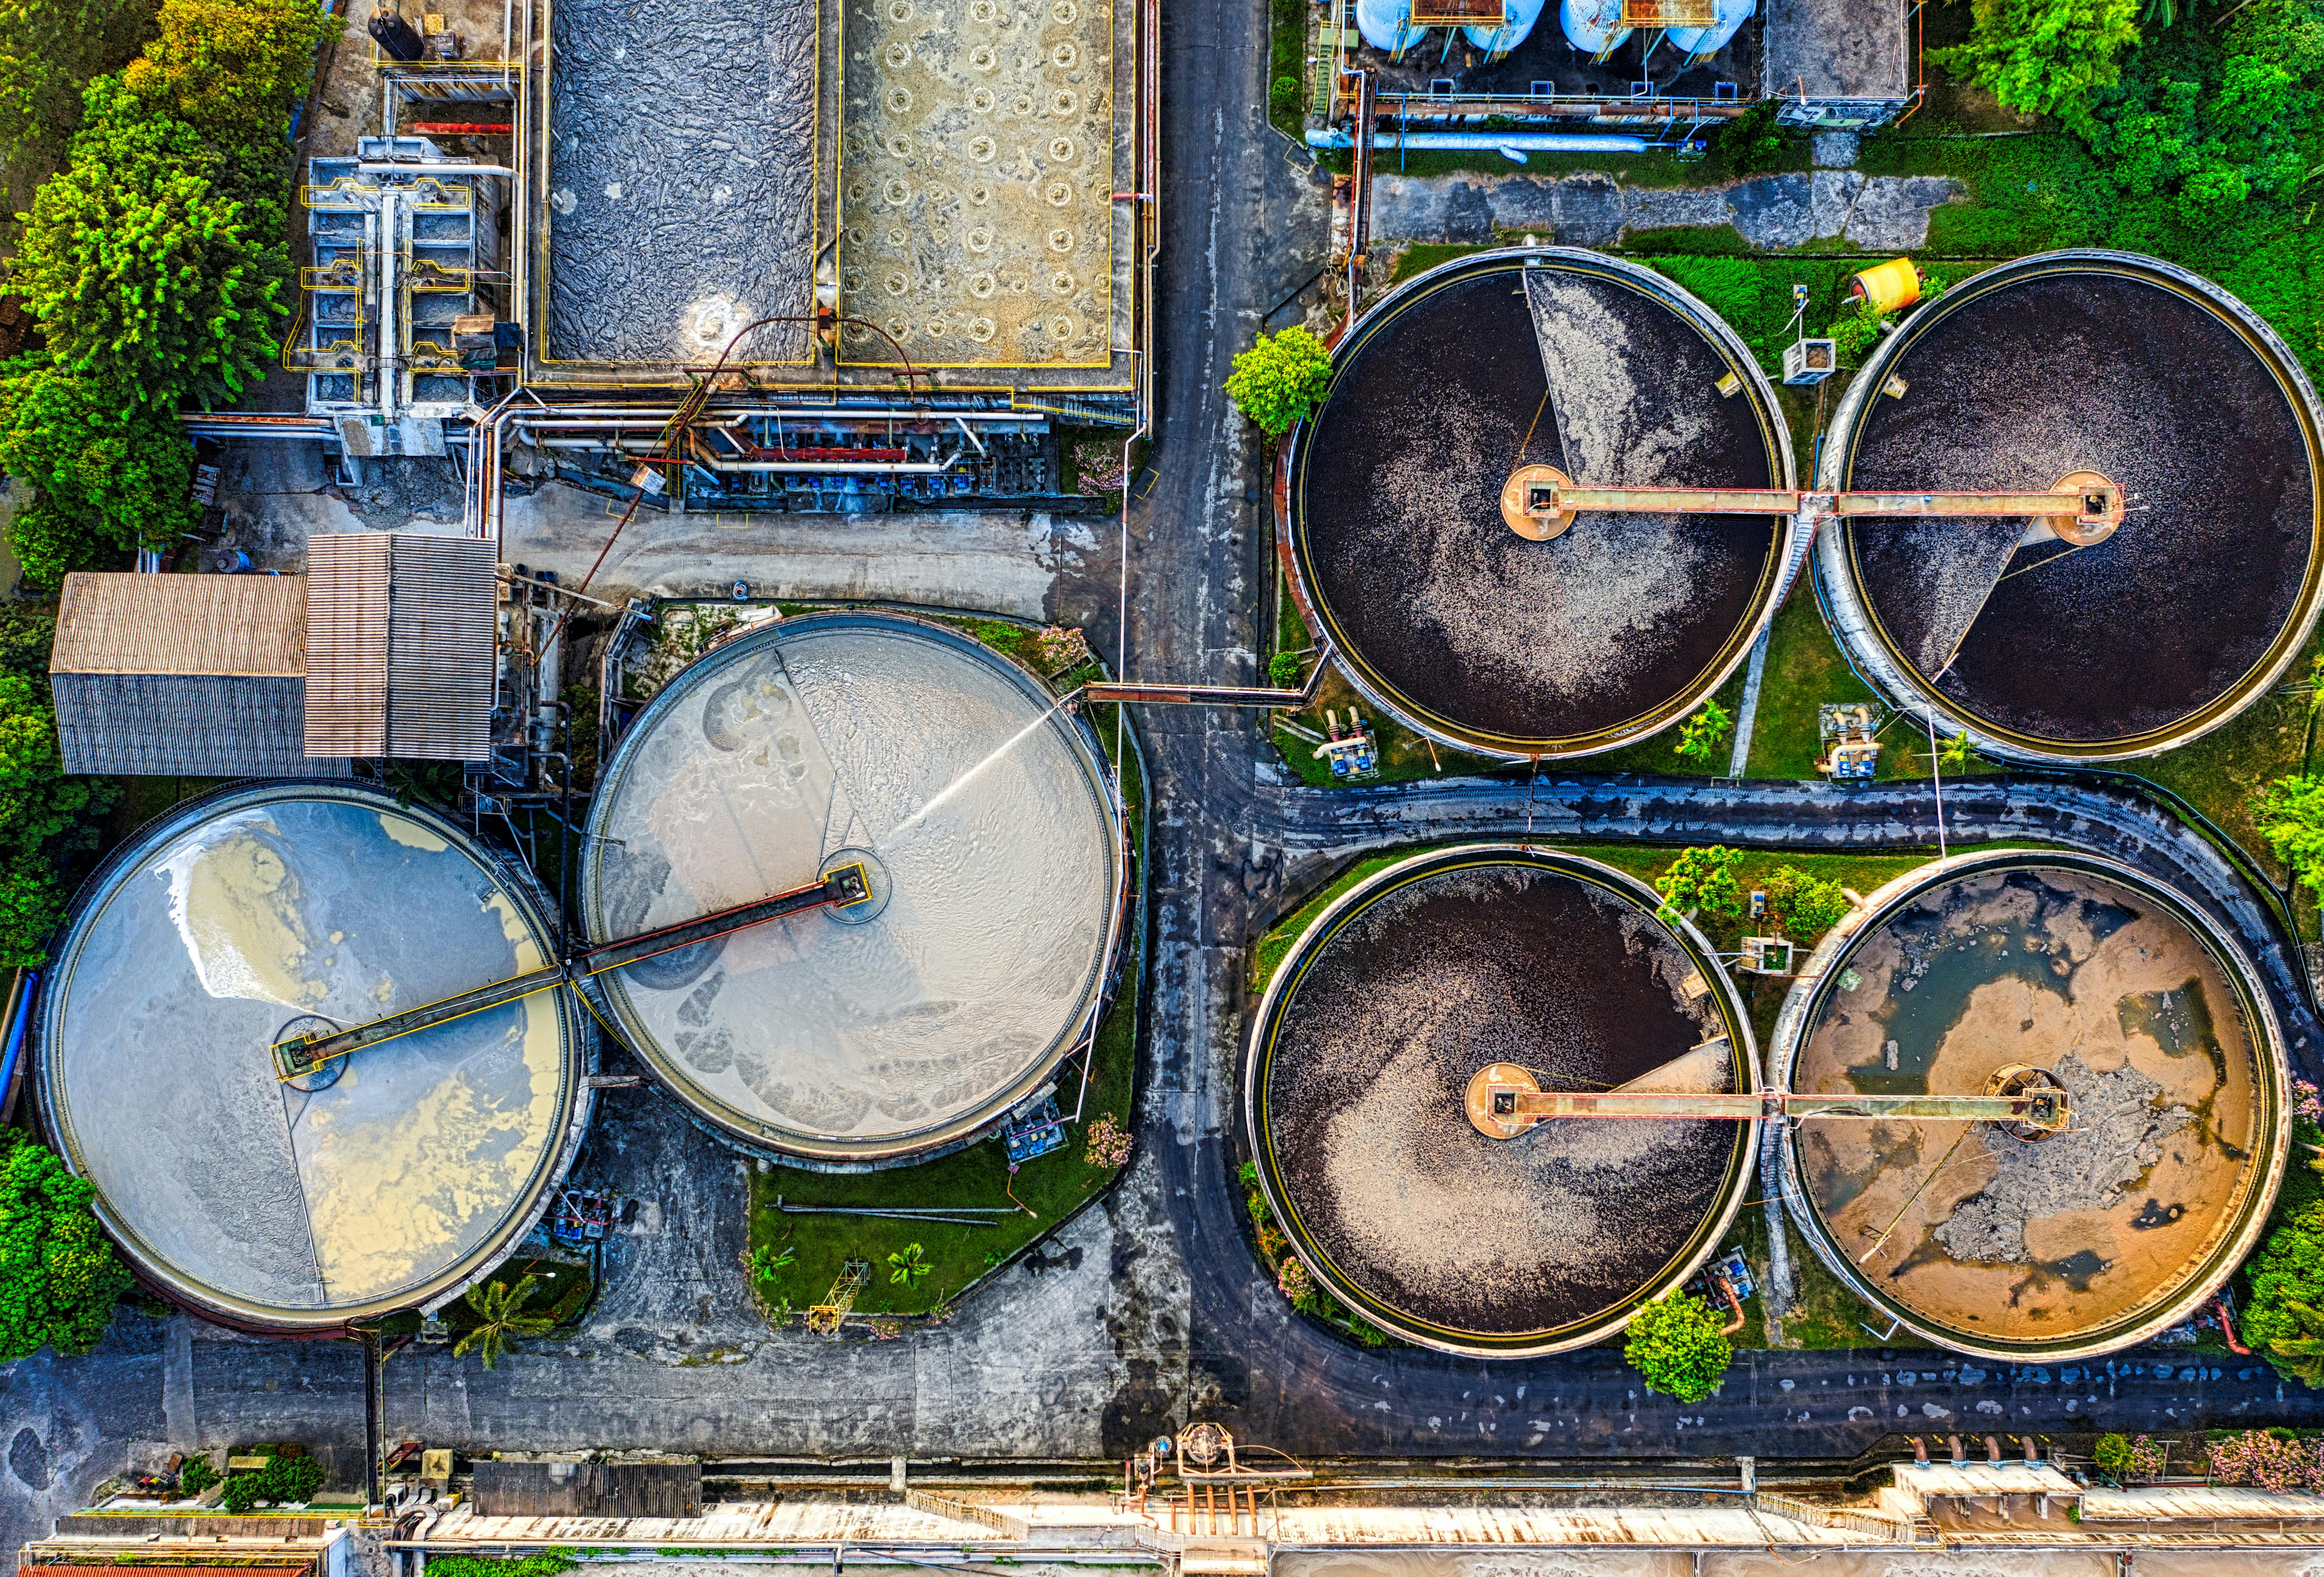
x,y
1505,1101
1541,502
302,1055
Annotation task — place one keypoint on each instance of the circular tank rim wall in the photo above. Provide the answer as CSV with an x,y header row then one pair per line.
x,y
1858,633
923,1144
1803,1004
573,1108
1768,597
1742,1163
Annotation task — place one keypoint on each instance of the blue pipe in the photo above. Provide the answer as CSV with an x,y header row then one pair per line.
x,y
1524,141
16,1034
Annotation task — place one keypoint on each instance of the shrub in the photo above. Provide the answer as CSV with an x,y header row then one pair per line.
x,y
45,818
1284,94
1283,671
1675,1345
59,1276
1752,140
2124,1458
197,1475
1700,735
285,1481
2289,812
1292,1281
1280,379
1109,1143
2268,1461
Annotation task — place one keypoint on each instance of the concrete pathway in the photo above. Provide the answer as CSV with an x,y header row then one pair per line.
x,y
1875,212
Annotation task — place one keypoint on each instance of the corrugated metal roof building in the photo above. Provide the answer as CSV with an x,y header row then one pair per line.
x,y
400,646
384,647
199,676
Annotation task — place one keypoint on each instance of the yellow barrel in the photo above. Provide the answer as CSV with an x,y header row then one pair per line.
x,y
1887,285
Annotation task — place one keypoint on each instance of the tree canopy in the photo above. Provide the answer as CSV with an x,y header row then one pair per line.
x,y
145,272
1280,379
49,51
1804,907
106,468
1703,880
59,1276
231,70
1676,1347
2289,812
2044,57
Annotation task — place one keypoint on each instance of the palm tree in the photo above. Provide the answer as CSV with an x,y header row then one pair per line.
x,y
499,1322
904,1269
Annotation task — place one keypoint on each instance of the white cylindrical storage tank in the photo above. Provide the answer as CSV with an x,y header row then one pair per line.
x,y
1517,19
1387,24
1728,19
1593,26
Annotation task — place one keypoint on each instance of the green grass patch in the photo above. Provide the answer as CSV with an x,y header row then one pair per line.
x,y
1288,57
1805,672
1405,755
1656,752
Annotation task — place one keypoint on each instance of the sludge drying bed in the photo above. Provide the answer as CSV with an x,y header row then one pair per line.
x,y
2149,1015
1441,612
1400,992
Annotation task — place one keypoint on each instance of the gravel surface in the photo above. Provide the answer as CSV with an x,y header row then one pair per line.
x,y
1528,643
2059,373
1430,983
681,179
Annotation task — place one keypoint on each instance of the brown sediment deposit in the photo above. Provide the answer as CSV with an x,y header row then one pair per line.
x,y
1991,1235
1363,1096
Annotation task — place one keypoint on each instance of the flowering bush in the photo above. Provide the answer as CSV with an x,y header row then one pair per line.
x,y
1099,461
887,1330
2130,1459
1109,1142
2268,1461
2305,1102
1272,1243
1292,1281
1058,649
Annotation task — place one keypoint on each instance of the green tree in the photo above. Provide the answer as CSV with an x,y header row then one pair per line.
x,y
50,50
232,69
2045,56
1283,671
1752,140
907,1268
146,272
59,1276
1676,1347
1280,379
45,817
197,1475
1700,735
1802,905
1701,880
499,1319
289,1478
2289,812
107,470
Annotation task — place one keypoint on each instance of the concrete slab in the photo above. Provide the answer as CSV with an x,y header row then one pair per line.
x,y
1592,208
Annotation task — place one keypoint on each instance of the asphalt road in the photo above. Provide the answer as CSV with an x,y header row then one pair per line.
x,y
1150,1309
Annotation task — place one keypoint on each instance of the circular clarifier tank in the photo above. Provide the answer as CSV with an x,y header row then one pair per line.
x,y
2148,1014
404,1170
1368,1043
1448,607
2015,380
985,818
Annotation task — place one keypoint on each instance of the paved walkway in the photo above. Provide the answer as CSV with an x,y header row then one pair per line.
x,y
1875,213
